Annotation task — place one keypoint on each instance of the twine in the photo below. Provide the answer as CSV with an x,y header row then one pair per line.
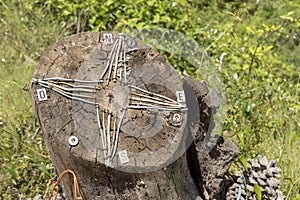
x,y
54,191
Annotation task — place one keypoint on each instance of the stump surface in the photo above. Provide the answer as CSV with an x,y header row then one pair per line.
x,y
111,108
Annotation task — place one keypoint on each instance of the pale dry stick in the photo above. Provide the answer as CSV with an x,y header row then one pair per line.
x,y
111,66
117,59
67,96
117,135
156,108
114,133
121,47
75,95
79,22
113,141
105,139
109,60
75,86
100,129
104,131
66,89
121,59
124,61
141,100
152,93
221,61
71,80
120,73
108,132
153,98
35,133
66,93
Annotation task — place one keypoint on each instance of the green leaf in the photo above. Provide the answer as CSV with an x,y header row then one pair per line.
x,y
12,172
257,191
249,30
241,138
294,138
243,161
267,48
228,12
290,13
287,16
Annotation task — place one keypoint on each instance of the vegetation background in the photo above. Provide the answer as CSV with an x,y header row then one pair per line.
x,y
260,70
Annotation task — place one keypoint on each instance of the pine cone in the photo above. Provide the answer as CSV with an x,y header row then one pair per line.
x,y
261,172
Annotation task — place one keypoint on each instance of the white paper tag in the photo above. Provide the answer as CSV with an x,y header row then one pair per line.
x,y
180,96
108,39
123,157
42,95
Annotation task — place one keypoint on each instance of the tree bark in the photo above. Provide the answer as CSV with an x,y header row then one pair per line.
x,y
171,174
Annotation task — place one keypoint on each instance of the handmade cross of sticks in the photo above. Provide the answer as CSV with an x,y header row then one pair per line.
x,y
129,91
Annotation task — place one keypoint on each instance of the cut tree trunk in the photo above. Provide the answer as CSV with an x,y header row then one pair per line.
x,y
126,134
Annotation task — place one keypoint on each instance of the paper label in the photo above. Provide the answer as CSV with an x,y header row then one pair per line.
x,y
123,157
42,95
108,39
180,96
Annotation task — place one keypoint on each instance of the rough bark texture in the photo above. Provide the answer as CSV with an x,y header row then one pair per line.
x,y
196,174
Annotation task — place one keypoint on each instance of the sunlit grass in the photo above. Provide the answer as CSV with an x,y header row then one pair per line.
x,y
24,163
268,122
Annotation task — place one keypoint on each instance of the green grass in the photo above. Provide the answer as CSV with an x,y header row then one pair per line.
x,y
267,121
263,114
25,165
24,162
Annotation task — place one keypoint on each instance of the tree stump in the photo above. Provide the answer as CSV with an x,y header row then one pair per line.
x,y
115,113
